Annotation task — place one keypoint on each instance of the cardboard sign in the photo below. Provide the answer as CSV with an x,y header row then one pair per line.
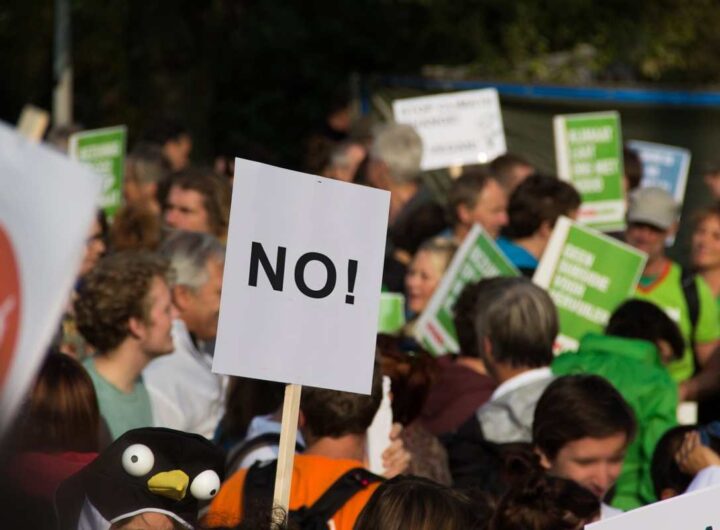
x,y
392,313
587,275
303,272
588,150
103,150
47,204
478,257
457,129
32,123
691,511
664,166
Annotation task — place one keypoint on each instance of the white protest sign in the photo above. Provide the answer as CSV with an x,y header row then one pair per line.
x,y
303,273
691,511
457,129
47,204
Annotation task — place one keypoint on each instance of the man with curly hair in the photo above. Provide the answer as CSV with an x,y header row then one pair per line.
x,y
125,311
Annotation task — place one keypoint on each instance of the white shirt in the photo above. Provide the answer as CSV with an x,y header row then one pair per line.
x,y
710,476
521,380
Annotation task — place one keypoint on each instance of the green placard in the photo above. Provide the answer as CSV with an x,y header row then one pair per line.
x,y
588,275
103,150
391,317
478,257
588,148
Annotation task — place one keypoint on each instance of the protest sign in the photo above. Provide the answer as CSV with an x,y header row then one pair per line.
x,y
587,275
47,204
478,257
392,313
588,151
690,511
103,150
664,166
456,129
32,123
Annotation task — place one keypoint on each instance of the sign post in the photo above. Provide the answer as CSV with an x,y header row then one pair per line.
x,y
301,293
588,150
32,123
457,129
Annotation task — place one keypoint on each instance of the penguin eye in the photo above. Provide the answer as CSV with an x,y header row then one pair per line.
x,y
205,486
138,460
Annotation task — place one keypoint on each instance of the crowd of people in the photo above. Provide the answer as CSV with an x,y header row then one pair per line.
x,y
127,427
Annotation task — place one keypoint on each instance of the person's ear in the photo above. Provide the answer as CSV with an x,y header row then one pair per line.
x,y
545,230
487,353
136,327
544,460
463,215
181,297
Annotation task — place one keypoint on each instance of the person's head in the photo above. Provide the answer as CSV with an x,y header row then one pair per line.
x,y
581,429
536,204
667,477
197,261
651,218
198,201
415,503
148,521
62,412
332,414
511,170
706,239
145,169
175,141
477,198
95,245
711,177
126,298
426,270
639,319
545,503
345,160
395,156
633,169
135,227
515,324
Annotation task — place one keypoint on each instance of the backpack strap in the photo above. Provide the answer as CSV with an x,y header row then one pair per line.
x,y
259,487
692,299
334,498
239,451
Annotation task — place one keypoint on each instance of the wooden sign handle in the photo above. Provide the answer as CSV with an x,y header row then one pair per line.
x,y
286,455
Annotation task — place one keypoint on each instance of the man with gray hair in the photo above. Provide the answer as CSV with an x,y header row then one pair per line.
x,y
394,165
184,392
516,324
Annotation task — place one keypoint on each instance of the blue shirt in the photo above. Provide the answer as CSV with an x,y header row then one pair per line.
x,y
517,255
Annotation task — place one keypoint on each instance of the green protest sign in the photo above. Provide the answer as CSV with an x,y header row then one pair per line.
x,y
103,150
478,257
588,150
587,275
391,318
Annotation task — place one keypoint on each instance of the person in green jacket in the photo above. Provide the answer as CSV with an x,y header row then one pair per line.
x,y
639,339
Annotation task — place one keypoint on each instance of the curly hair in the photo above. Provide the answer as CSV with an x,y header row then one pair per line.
x,y
115,291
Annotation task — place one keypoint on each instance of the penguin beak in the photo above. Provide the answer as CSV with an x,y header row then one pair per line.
x,y
170,484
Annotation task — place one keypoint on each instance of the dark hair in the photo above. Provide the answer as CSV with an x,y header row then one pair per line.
x,y
543,502
463,318
639,319
465,191
502,167
664,470
62,411
166,130
411,374
135,227
537,200
579,406
334,414
214,190
519,319
247,398
113,292
633,167
704,213
415,503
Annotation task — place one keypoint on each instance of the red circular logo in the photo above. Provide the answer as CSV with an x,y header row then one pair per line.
x,y
9,304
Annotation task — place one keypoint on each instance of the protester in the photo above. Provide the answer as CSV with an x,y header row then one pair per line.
x,y
534,207
581,431
198,201
124,310
652,218
476,198
184,392
174,141
425,272
511,170
639,339
668,479
135,227
345,159
145,170
705,250
414,503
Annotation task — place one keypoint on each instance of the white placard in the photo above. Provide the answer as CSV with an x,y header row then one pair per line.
x,y
691,511
290,309
457,129
47,204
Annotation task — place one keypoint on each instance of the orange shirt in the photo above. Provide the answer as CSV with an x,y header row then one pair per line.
x,y
312,476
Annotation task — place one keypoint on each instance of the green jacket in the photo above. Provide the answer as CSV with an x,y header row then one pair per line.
x,y
634,368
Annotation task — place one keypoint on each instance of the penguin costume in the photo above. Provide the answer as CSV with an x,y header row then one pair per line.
x,y
145,470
